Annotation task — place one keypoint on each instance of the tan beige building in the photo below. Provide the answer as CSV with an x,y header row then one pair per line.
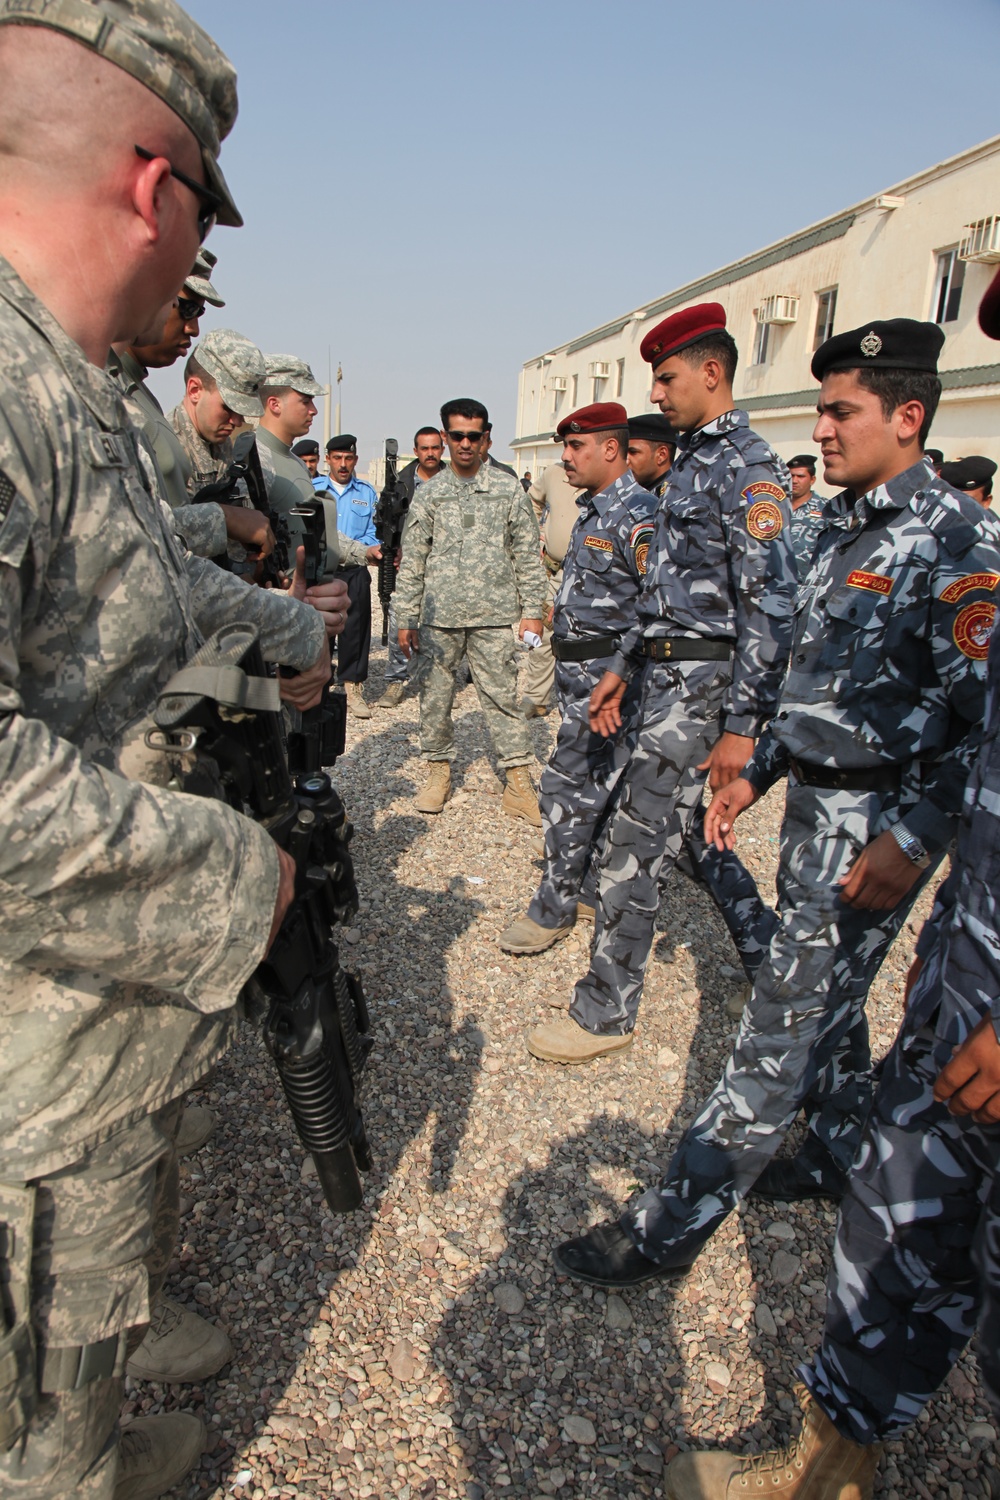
x,y
924,248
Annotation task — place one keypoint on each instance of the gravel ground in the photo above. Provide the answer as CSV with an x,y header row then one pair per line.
x,y
422,1346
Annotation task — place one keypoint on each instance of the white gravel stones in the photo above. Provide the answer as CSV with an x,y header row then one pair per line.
x,y
401,1361
717,1376
509,1298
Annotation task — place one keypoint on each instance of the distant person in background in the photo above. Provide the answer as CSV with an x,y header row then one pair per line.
x,y
428,445
935,458
526,481
973,476
555,501
356,501
488,458
308,450
652,443
807,511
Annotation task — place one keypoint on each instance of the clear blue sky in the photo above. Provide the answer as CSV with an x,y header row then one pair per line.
x,y
437,191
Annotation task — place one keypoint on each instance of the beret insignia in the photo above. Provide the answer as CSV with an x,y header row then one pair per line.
x,y
871,344
973,628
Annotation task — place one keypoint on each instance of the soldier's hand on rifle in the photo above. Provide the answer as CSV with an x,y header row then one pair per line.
x,y
373,554
397,557
330,599
408,642
286,893
306,689
249,527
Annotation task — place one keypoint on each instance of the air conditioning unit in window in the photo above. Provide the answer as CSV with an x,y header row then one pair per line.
x,y
778,310
600,369
557,382
981,240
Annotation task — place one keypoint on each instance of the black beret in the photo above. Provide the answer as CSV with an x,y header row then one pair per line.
x,y
306,449
969,473
803,461
895,344
652,427
344,442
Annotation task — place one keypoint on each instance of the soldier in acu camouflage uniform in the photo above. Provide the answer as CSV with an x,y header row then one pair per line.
x,y
918,1240
876,730
601,575
132,914
470,570
222,383
714,624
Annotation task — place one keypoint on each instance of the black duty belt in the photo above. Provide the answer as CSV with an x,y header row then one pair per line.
x,y
684,648
877,779
591,647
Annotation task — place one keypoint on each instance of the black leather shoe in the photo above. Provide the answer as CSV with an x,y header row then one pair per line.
x,y
607,1257
813,1173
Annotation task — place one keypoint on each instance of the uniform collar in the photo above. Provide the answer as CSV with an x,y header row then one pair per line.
x,y
92,385
623,485
274,443
848,509
720,426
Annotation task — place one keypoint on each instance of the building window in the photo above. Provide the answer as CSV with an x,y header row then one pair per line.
x,y
948,287
826,308
600,382
576,386
761,340
620,383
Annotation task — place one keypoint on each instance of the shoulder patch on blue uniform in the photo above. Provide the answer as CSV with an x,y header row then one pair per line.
x,y
639,539
763,487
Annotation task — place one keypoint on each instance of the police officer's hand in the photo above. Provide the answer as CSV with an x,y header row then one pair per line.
x,y
286,894
723,810
605,705
970,1083
726,759
249,527
373,554
408,642
306,689
880,876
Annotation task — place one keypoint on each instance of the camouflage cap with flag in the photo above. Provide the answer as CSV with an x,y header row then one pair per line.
x,y
237,367
165,50
199,283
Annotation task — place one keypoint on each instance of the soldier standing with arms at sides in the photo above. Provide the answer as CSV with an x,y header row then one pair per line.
x,y
807,511
470,570
554,499
876,728
604,566
714,625
917,1252
428,445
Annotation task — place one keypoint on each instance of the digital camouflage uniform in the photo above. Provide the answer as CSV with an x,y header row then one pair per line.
x,y
132,914
917,1252
470,570
601,575
887,671
288,487
720,569
806,527
205,462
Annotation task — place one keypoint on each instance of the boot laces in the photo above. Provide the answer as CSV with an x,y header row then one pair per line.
x,y
164,1319
133,1445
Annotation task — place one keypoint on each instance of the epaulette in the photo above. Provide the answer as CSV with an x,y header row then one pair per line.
x,y
956,522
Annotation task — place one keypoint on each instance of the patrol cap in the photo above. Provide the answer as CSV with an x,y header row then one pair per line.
x,y
199,284
285,369
935,455
165,50
599,417
969,473
893,344
803,461
989,309
236,366
345,442
652,427
306,448
681,329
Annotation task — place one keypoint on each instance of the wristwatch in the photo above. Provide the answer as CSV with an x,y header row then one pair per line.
x,y
910,845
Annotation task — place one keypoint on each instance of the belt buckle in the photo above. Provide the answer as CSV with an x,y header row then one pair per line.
x,y
668,647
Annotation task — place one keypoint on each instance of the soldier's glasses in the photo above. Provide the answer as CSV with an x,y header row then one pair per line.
x,y
190,308
210,200
466,437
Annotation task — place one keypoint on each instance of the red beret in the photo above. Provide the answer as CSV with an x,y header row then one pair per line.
x,y
681,329
989,309
596,418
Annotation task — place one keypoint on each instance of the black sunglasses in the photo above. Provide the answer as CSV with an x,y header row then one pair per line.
x,y
190,308
465,437
211,200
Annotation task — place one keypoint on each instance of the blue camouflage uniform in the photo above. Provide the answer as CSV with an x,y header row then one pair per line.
x,y
595,605
885,686
808,520
721,583
918,1241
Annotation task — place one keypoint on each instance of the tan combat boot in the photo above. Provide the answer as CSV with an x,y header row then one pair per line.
x,y
585,912
179,1346
819,1465
155,1453
198,1124
519,798
563,1041
356,702
393,696
736,1003
527,936
436,790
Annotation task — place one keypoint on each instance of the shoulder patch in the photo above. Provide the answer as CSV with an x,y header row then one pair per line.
x,y
973,628
639,539
763,487
599,543
764,518
965,585
876,583
640,532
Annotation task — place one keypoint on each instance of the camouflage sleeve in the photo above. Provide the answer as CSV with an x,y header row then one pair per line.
x,y
352,553
417,539
525,545
764,582
201,528
767,764
944,901
291,632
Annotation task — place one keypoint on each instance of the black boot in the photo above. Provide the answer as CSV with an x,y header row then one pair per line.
x,y
813,1173
607,1257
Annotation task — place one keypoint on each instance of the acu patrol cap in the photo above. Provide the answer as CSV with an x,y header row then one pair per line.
x,y
681,329
970,473
652,427
199,283
163,49
345,442
893,344
285,369
306,448
599,417
236,366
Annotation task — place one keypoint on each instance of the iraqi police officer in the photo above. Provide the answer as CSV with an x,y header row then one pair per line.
x,y
714,624
652,443
917,1256
308,450
875,730
807,511
356,502
604,565
554,500
973,476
